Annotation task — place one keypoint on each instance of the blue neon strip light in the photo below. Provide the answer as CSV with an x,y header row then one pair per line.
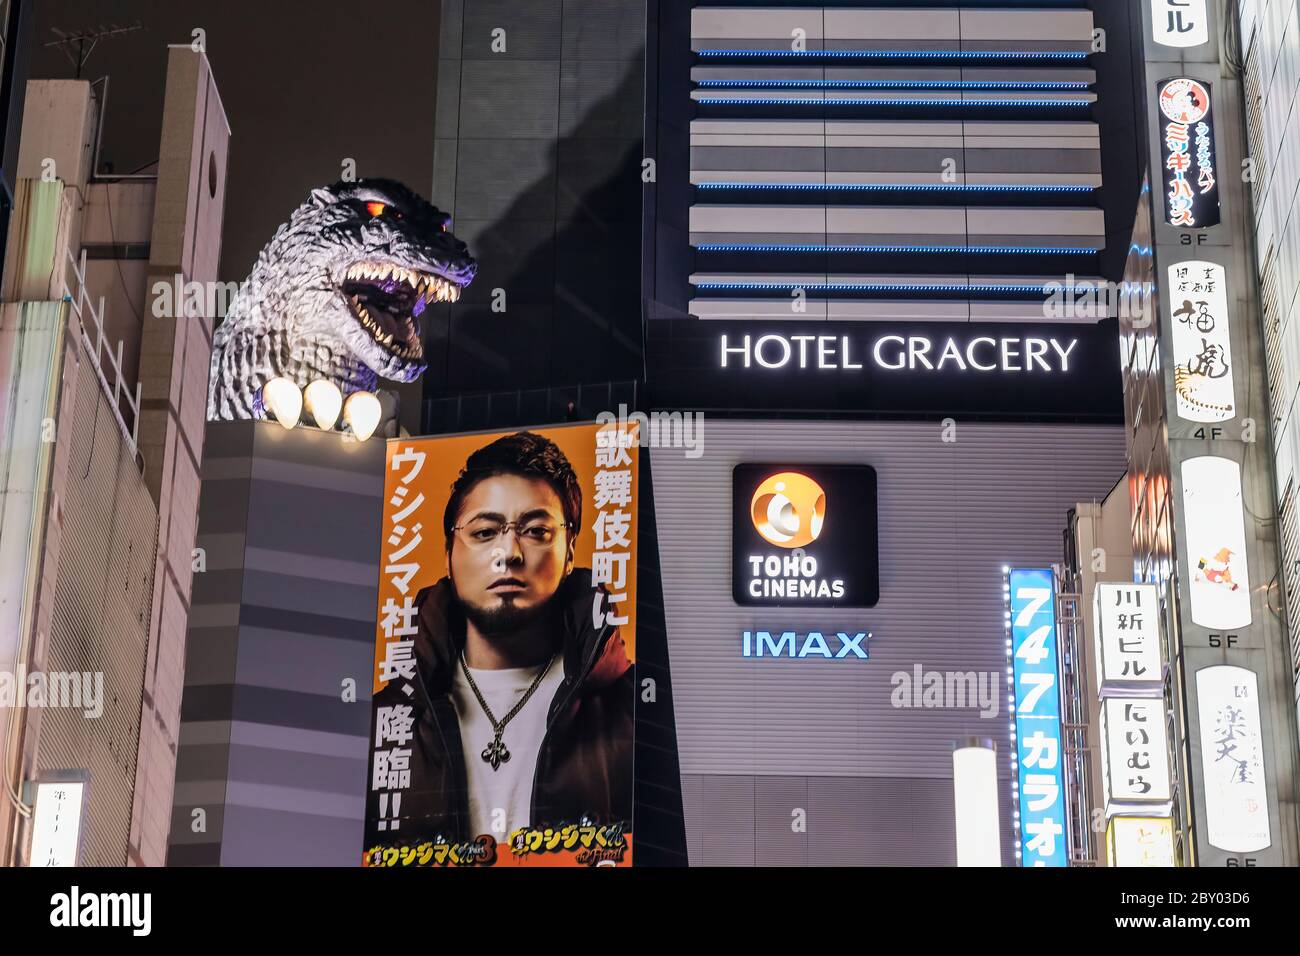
x,y
911,187
871,287
981,250
911,54
902,84
1040,785
875,101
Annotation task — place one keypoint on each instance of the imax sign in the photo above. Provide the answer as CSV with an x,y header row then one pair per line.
x,y
812,644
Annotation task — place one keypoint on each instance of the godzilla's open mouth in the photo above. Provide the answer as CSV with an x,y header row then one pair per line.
x,y
387,300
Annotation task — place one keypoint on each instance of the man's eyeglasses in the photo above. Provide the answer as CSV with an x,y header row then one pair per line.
x,y
486,533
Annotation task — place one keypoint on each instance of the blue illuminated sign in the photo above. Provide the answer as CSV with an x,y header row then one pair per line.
x,y
1040,782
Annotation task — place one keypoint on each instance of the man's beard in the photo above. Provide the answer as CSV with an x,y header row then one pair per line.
x,y
505,619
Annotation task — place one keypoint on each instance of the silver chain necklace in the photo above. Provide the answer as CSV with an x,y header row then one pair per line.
x,y
496,753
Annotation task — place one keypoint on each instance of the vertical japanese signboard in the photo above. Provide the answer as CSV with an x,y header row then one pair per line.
x,y
1135,759
1140,841
1135,769
1181,24
1189,164
1036,672
1126,621
56,822
1232,757
1216,543
1198,306
505,640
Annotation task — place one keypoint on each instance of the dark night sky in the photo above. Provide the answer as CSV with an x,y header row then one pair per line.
x,y
304,86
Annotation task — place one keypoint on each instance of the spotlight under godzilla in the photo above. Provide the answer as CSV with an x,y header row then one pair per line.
x,y
337,294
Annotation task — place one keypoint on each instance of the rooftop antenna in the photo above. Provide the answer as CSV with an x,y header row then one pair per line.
x,y
78,46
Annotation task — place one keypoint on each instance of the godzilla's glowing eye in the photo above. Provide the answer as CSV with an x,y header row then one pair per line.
x,y
375,209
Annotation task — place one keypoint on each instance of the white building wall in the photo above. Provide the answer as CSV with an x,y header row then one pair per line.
x,y
1270,41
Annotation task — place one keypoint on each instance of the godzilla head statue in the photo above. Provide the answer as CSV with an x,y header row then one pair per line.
x,y
337,294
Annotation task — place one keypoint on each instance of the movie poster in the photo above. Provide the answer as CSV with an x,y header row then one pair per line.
x,y
501,730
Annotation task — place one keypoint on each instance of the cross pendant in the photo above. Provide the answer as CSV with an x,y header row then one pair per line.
x,y
495,753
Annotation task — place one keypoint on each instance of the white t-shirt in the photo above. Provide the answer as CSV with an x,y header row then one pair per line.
x,y
510,786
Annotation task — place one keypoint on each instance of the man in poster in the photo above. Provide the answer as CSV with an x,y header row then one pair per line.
x,y
522,705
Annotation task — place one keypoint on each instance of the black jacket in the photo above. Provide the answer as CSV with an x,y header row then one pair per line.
x,y
584,767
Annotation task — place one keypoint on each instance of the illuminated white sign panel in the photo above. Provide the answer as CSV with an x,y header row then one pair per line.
x,y
1180,23
1135,755
1141,841
1198,305
1126,618
975,806
1216,543
1232,758
897,353
56,823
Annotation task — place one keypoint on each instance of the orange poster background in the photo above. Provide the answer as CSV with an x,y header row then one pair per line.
x,y
445,455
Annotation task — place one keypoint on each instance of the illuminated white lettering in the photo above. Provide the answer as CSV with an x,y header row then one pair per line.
x,y
826,352
803,341
1064,353
785,351
950,351
1008,354
844,349
1035,349
970,354
741,349
880,361
917,351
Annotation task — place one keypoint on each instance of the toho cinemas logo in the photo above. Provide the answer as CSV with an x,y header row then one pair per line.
x,y
804,536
